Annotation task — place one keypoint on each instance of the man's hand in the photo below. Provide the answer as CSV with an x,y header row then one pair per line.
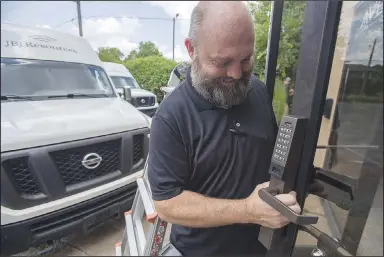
x,y
260,212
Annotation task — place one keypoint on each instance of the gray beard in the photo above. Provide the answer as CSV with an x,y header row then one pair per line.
x,y
216,94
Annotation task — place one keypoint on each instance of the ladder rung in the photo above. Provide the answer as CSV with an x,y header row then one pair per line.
x,y
147,201
118,249
130,234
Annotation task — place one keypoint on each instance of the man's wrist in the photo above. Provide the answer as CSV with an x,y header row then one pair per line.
x,y
243,212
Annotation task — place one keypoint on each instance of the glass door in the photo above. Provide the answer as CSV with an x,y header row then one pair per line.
x,y
350,136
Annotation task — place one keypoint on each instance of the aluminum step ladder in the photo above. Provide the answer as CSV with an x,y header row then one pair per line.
x,y
145,231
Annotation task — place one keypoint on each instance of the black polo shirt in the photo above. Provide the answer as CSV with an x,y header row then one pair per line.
x,y
215,152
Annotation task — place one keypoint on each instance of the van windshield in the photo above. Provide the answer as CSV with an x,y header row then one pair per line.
x,y
121,82
29,79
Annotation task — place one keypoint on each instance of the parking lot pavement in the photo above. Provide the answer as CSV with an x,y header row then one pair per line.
x,y
100,242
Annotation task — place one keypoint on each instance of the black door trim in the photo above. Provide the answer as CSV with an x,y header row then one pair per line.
x,y
273,45
314,67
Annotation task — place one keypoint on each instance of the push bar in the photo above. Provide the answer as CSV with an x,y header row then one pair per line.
x,y
348,146
267,195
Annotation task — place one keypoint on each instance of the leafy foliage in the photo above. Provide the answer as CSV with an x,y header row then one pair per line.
x,y
145,49
110,54
151,72
279,100
293,18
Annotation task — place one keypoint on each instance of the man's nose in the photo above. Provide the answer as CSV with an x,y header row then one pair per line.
x,y
235,71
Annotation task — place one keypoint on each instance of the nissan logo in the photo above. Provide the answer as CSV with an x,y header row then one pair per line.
x,y
91,161
142,101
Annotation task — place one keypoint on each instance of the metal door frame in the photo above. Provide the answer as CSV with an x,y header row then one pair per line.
x,y
317,46
277,8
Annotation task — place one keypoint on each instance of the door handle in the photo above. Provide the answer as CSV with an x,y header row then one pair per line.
x,y
268,196
340,181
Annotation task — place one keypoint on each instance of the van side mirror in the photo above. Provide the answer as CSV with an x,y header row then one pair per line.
x,y
127,94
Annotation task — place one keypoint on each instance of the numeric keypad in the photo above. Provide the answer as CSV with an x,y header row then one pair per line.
x,y
282,145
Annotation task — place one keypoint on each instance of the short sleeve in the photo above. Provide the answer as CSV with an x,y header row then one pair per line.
x,y
168,169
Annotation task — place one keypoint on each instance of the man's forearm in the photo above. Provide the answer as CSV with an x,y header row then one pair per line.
x,y
195,210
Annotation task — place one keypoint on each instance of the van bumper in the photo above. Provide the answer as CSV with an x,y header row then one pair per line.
x,y
77,219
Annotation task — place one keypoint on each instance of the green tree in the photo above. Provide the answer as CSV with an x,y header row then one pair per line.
x,y
145,49
260,12
110,54
289,45
151,72
292,24
132,55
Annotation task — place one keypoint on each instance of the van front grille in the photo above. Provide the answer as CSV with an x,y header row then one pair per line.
x,y
144,101
138,143
24,180
38,175
69,161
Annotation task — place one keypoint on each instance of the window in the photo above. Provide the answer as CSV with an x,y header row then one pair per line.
x,y
37,78
121,82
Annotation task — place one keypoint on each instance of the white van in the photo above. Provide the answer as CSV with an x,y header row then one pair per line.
x,y
71,148
142,99
176,77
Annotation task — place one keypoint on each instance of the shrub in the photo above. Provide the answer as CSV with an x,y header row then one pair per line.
x,y
279,99
151,72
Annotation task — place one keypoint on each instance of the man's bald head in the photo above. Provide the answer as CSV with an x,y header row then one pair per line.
x,y
220,44
218,16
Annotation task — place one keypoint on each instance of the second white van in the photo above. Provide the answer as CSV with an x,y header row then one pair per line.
x,y
143,100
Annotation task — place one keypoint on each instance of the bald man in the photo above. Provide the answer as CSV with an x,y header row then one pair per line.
x,y
212,140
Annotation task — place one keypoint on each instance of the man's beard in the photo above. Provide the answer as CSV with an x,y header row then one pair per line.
x,y
212,90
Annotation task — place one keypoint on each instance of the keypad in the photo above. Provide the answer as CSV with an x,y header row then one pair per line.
x,y
282,145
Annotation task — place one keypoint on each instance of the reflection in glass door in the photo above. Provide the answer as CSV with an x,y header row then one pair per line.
x,y
350,142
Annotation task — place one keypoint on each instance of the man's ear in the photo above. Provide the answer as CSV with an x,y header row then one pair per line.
x,y
190,48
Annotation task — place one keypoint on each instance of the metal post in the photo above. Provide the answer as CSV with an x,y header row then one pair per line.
x,y
273,44
79,18
173,38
